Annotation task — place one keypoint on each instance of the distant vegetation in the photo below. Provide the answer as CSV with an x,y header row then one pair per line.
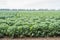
x,y
29,9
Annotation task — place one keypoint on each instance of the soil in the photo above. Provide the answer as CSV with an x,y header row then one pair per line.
x,y
48,38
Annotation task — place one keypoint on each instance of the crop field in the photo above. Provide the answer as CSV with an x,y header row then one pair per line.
x,y
29,24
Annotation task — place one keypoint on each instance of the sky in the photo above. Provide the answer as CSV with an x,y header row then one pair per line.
x,y
30,4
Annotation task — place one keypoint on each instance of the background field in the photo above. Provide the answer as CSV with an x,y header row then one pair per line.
x,y
29,23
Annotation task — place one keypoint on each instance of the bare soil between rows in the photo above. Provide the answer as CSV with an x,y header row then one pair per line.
x,y
48,38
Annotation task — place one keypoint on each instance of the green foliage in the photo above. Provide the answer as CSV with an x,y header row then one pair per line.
x,y
29,23
3,30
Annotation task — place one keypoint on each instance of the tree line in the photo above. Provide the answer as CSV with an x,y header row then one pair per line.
x,y
29,9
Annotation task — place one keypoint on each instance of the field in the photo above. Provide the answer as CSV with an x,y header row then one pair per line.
x,y
29,24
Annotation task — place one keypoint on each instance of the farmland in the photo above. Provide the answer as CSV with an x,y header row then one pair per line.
x,y
29,23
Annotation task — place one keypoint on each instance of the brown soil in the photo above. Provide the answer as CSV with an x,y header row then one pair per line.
x,y
50,38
